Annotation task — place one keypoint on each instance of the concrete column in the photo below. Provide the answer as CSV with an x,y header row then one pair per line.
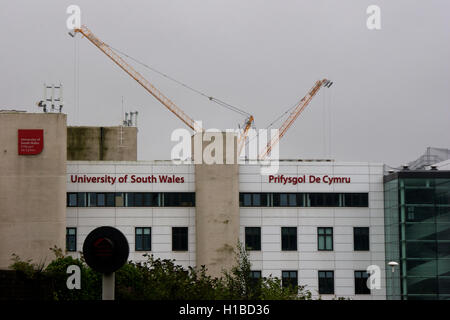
x,y
32,188
217,209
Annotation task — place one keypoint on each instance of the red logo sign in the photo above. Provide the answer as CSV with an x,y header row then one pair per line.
x,y
31,141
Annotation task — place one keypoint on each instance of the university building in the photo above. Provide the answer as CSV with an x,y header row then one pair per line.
x,y
317,223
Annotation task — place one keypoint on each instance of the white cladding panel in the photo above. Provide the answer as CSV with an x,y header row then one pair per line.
x,y
271,260
307,260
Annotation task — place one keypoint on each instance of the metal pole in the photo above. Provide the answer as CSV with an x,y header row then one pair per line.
x,y
108,282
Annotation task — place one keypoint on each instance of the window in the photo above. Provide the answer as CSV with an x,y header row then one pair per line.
x,y
179,199
361,282
119,199
92,199
72,199
289,279
324,199
361,238
326,282
253,238
314,199
101,199
253,199
247,199
110,201
138,199
289,238
141,199
356,200
288,200
325,238
179,238
71,239
81,199
134,199
143,239
129,199
149,199
255,275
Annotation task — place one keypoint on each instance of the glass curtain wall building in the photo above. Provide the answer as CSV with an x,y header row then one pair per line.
x,y
417,231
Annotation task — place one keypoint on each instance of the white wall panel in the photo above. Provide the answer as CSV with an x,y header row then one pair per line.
x,y
307,260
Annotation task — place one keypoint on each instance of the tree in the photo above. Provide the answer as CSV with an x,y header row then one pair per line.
x,y
157,279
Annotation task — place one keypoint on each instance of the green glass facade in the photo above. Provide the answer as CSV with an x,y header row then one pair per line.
x,y
417,231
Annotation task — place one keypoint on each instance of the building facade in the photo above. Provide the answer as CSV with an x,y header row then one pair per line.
x,y
319,224
417,217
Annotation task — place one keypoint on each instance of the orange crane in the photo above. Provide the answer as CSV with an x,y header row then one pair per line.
x,y
169,104
294,115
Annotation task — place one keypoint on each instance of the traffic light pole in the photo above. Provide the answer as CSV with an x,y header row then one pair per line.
x,y
108,283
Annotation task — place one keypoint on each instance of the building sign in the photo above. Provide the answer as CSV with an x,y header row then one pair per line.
x,y
165,178
30,141
326,179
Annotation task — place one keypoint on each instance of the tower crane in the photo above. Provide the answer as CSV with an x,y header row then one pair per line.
x,y
294,115
169,104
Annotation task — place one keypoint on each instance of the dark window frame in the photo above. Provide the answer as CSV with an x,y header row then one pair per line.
x,y
178,199
89,196
256,238
288,199
264,200
287,241
98,196
179,245
359,245
68,199
356,200
324,282
254,272
74,239
130,199
325,235
361,282
288,281
305,199
324,200
142,239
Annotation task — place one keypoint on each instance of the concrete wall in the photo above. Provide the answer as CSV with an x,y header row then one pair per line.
x,y
32,188
217,211
102,143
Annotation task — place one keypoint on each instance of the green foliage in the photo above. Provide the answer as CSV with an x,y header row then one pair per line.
x,y
157,279
27,268
241,286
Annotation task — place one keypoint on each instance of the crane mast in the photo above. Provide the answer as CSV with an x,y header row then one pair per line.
x,y
294,115
137,76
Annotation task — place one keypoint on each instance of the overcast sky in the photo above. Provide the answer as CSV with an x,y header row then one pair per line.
x,y
391,92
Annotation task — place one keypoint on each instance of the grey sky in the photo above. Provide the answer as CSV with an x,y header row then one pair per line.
x,y
391,93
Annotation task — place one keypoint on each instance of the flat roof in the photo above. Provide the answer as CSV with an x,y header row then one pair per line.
x,y
417,174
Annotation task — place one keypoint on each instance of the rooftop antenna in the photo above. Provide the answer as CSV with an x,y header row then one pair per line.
x,y
52,98
130,121
133,122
